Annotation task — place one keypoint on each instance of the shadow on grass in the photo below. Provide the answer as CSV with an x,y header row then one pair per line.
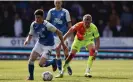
x,y
5,68
104,77
79,78
11,79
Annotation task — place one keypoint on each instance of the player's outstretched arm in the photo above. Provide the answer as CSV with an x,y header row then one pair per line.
x,y
31,32
97,38
62,42
69,32
29,37
97,47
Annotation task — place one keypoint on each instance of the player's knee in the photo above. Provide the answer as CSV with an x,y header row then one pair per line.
x,y
31,62
33,57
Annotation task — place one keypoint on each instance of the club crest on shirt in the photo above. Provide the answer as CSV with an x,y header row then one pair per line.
x,y
62,14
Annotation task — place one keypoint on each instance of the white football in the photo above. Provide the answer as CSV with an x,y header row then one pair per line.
x,y
47,76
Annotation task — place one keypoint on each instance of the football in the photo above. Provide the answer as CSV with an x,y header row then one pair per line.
x,y
47,76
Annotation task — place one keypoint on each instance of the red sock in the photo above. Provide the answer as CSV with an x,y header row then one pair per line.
x,y
69,58
92,51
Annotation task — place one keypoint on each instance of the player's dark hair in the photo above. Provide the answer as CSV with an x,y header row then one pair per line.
x,y
39,12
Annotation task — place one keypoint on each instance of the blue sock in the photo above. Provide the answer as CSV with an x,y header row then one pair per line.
x,y
31,70
59,64
48,63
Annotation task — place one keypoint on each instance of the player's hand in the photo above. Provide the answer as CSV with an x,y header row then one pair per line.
x,y
95,54
26,42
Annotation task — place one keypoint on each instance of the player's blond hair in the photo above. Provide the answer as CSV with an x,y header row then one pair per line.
x,y
87,15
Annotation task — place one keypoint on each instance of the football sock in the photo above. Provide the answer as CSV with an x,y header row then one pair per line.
x,y
48,63
89,63
59,64
31,70
90,60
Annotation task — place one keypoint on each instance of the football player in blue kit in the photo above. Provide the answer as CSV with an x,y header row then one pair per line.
x,y
60,18
45,42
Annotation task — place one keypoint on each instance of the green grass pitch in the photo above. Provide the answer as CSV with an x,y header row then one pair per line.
x,y
102,71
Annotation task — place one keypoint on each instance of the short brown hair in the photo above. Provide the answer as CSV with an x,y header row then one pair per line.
x,y
39,12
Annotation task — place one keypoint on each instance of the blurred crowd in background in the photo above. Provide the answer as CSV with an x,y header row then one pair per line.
x,y
113,19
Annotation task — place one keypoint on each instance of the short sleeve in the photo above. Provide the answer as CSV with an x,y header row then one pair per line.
x,y
48,15
76,26
31,32
67,16
96,33
50,27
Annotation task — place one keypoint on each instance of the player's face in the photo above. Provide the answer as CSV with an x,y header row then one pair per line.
x,y
58,3
87,21
38,19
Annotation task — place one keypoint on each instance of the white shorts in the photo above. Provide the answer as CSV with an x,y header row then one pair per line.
x,y
57,41
44,51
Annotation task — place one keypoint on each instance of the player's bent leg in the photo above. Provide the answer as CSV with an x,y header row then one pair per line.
x,y
91,48
45,63
69,58
75,47
32,58
65,65
59,62
68,68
